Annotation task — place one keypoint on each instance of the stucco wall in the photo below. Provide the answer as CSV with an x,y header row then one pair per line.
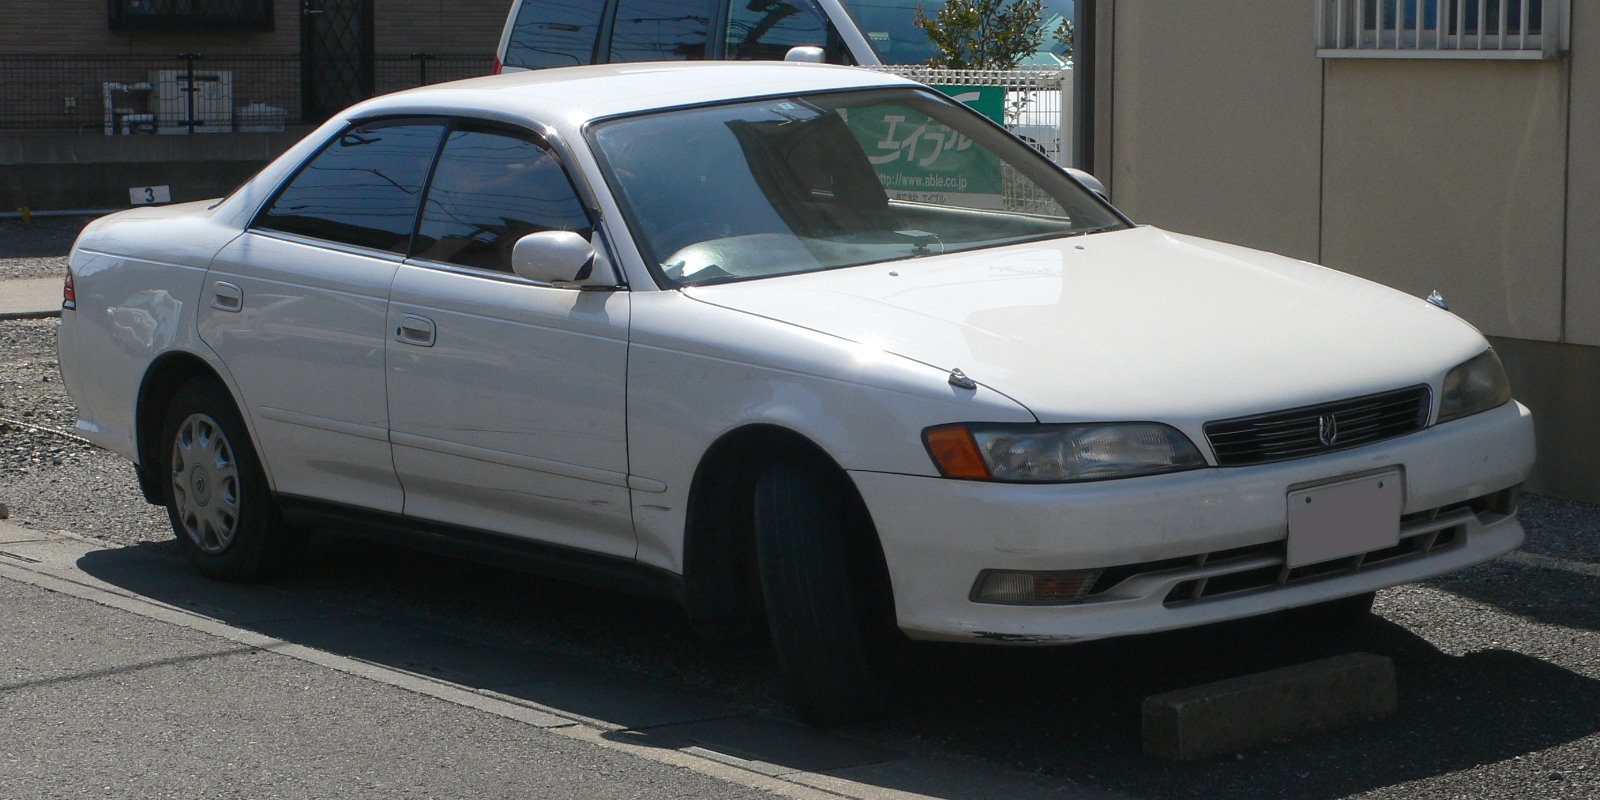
x,y
1208,140
1219,119
1583,185
1450,175
1560,383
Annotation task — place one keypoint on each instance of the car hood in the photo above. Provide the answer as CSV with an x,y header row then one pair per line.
x,y
1139,324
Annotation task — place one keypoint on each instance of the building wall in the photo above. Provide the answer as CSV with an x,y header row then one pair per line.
x,y
439,26
1477,178
1583,185
1203,140
1450,175
80,27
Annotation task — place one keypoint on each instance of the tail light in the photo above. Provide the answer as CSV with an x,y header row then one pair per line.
x,y
69,296
495,70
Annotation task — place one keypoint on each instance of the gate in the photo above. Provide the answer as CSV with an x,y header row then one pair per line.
x,y
336,55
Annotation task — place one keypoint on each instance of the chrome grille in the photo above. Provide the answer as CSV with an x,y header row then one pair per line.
x,y
1298,432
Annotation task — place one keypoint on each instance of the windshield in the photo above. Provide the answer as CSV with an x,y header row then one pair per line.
x,y
890,26
799,184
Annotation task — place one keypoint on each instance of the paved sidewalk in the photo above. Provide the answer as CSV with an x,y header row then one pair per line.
x,y
103,703
30,298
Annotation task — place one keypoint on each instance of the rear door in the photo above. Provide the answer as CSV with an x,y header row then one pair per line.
x,y
506,397
297,309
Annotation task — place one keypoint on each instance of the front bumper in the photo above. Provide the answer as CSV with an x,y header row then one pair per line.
x,y
938,534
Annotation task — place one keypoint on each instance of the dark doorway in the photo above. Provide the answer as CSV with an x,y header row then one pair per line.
x,y
336,63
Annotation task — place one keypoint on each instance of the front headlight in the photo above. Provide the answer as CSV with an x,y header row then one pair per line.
x,y
1059,453
1477,385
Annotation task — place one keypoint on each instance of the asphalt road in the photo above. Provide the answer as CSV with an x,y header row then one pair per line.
x,y
1498,666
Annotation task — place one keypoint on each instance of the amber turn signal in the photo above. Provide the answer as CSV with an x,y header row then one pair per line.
x,y
955,452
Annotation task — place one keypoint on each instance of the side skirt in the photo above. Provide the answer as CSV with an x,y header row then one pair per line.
x,y
487,547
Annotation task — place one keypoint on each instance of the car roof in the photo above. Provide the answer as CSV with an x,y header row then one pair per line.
x,y
577,94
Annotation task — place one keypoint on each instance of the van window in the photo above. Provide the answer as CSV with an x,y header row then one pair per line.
x,y
554,34
660,30
764,30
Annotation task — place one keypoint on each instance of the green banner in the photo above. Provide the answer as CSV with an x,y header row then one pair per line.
x,y
923,160
989,101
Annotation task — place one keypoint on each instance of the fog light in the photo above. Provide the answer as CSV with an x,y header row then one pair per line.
x,y
1006,587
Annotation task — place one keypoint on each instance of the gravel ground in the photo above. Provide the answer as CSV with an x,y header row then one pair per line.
x,y
55,481
1499,665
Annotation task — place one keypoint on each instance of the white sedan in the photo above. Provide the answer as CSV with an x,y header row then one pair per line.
x,y
802,342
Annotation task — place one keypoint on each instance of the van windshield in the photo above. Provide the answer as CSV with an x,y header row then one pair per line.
x,y
890,26
793,184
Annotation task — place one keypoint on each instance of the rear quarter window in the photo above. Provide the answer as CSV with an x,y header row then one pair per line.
x,y
362,188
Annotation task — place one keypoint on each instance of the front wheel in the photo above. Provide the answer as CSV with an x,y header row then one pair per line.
x,y
827,597
216,493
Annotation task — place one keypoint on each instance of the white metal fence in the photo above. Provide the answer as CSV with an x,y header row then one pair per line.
x,y
1038,106
1530,29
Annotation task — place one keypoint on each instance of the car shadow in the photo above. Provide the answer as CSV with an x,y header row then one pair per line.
x,y
1067,715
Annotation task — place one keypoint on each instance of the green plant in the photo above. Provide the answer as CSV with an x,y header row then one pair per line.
x,y
984,34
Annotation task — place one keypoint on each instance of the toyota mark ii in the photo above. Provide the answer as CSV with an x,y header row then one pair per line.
x,y
798,342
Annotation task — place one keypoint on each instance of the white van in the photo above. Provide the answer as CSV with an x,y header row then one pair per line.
x,y
557,33
564,33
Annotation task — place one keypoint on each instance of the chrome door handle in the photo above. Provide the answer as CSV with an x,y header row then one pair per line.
x,y
415,330
226,296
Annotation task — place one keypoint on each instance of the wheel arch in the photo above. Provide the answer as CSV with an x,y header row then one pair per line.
x,y
722,593
161,382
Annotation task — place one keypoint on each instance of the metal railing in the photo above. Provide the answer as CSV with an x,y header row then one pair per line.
x,y
190,92
1038,100
1527,29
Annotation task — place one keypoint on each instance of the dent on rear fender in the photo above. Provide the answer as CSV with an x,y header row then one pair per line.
x,y
146,321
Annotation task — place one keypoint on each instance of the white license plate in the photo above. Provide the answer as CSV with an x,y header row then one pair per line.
x,y
1341,519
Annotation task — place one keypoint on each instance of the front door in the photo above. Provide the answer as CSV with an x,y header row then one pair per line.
x,y
506,397
336,65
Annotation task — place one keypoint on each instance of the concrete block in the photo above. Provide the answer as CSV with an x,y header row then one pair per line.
x,y
1239,713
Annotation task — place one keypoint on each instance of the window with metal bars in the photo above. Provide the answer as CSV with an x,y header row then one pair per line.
x,y
191,15
1501,29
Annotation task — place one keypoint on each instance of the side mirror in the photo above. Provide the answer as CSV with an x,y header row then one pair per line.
x,y
1090,182
560,258
806,54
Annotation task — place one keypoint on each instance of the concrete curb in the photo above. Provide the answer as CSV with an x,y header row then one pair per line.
x,y
11,315
30,298
1253,710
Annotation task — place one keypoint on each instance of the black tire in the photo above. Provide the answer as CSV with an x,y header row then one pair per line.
x,y
825,593
1342,614
215,491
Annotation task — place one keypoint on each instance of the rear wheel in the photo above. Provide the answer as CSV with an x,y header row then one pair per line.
x,y
827,597
215,491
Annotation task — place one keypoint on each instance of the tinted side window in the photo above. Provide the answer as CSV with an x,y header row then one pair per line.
x,y
362,189
764,30
554,33
661,30
493,187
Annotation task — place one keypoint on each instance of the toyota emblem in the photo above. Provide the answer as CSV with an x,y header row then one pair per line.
x,y
1327,429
